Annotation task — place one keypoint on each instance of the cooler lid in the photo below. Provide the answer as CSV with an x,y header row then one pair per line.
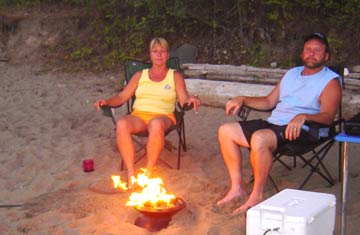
x,y
294,206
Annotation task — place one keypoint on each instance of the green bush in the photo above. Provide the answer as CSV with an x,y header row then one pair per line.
x,y
121,29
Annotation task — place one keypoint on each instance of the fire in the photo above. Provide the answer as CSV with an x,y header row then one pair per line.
x,y
118,183
153,194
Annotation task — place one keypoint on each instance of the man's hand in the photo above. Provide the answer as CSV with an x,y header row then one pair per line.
x,y
292,131
233,105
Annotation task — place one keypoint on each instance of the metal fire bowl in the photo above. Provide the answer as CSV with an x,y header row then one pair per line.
x,y
153,219
162,212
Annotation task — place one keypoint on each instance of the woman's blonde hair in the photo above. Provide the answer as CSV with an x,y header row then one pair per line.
x,y
161,41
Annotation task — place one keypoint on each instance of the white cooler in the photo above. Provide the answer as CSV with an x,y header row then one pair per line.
x,y
293,212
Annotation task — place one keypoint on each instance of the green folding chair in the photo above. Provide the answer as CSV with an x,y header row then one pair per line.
x,y
131,67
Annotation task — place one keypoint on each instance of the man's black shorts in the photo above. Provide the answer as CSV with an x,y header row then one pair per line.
x,y
249,127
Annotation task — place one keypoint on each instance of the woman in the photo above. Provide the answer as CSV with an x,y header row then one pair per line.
x,y
156,91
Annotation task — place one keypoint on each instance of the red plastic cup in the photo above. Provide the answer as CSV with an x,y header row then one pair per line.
x,y
88,165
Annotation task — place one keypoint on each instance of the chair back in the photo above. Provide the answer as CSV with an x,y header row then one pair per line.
x,y
339,69
186,54
133,66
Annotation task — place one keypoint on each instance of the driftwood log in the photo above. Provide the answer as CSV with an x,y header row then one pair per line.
x,y
249,74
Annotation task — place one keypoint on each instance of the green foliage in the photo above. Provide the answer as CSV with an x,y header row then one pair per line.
x,y
121,29
24,3
257,54
82,53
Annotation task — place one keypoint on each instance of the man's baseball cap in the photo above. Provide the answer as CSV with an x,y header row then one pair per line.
x,y
321,38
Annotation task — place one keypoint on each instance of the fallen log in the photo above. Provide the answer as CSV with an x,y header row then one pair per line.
x,y
250,74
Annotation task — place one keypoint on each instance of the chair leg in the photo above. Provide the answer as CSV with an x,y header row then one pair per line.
x,y
180,145
277,158
273,183
122,165
340,162
316,169
326,148
182,136
179,150
182,142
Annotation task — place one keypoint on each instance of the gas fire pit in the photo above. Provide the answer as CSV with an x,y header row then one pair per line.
x,y
155,219
153,202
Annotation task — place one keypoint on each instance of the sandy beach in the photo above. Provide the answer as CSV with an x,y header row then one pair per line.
x,y
49,126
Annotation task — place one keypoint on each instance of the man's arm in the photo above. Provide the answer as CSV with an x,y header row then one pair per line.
x,y
258,102
329,101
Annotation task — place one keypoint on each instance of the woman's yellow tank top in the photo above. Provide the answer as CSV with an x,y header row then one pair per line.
x,y
156,97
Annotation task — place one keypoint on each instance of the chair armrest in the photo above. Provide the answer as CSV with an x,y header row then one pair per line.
x,y
244,112
187,107
109,111
316,124
314,127
106,110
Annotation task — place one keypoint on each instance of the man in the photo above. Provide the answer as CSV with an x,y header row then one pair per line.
x,y
311,92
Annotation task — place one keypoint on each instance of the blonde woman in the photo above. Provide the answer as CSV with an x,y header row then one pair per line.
x,y
156,90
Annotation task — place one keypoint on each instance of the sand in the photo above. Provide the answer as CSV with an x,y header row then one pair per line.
x,y
49,126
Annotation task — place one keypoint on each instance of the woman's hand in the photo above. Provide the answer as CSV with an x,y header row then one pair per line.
x,y
194,101
100,103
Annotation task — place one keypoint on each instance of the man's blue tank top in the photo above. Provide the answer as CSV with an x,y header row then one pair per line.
x,y
300,94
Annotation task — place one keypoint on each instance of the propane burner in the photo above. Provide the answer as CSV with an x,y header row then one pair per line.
x,y
155,219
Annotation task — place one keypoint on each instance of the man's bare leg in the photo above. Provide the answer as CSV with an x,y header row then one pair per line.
x,y
230,138
263,143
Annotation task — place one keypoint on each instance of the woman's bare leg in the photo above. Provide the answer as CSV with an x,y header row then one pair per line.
x,y
156,140
125,127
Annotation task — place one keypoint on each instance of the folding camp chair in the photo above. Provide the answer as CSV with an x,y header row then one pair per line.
x,y
186,53
131,67
317,151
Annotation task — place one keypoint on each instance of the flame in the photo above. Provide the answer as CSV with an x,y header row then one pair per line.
x,y
118,183
153,194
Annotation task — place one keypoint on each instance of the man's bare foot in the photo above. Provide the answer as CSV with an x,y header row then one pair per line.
x,y
241,210
252,201
231,195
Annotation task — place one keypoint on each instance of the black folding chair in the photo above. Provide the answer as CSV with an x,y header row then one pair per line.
x,y
317,151
131,67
